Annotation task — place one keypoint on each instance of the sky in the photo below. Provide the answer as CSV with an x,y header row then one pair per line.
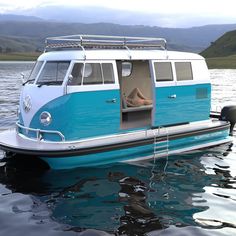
x,y
171,13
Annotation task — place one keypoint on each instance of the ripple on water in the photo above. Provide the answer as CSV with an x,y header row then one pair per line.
x,y
194,196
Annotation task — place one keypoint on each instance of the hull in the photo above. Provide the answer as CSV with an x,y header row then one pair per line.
x,y
136,154
128,147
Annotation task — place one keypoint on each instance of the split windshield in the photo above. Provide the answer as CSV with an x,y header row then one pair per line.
x,y
35,71
53,73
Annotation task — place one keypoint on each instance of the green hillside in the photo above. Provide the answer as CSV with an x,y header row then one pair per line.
x,y
9,44
222,47
222,53
228,62
19,56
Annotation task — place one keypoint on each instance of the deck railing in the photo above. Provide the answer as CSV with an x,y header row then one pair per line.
x,y
39,132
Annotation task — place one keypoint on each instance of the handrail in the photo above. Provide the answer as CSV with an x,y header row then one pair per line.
x,y
39,131
102,42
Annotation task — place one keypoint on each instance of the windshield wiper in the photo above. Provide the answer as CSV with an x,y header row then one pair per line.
x,y
49,83
26,82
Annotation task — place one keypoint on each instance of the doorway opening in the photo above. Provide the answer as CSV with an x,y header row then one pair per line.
x,y
136,93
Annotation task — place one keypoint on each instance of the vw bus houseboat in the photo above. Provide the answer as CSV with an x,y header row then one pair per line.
x,y
93,100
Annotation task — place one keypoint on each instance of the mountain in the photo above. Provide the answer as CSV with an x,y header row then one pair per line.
x,y
19,44
29,35
224,46
12,17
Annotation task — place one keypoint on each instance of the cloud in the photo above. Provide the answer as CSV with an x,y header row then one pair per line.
x,y
169,13
100,14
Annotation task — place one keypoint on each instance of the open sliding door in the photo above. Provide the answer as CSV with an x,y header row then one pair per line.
x,y
136,93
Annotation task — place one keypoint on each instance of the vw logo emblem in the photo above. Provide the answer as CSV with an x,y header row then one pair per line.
x,y
27,103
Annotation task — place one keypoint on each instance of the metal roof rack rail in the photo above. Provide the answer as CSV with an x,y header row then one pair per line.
x,y
73,42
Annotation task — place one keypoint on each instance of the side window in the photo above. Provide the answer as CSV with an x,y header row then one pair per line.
x,y
92,73
108,73
76,73
163,71
183,71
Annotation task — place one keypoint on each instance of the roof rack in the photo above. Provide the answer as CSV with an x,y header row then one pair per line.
x,y
83,42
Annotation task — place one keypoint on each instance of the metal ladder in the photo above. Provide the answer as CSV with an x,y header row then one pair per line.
x,y
160,148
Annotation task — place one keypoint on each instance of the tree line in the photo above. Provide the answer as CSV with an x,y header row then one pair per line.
x,y
5,50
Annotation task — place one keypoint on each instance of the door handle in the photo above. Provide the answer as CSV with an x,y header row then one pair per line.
x,y
111,100
173,96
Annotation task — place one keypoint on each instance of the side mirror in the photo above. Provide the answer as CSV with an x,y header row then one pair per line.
x,y
70,78
23,78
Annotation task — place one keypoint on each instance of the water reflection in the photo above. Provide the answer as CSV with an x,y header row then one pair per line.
x,y
134,200
220,194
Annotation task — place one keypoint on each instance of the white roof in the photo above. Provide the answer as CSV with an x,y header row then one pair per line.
x,y
121,54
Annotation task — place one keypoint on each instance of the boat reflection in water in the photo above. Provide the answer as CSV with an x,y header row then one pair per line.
x,y
188,191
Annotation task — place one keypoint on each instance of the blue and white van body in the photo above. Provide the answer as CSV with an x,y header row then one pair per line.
x,y
73,110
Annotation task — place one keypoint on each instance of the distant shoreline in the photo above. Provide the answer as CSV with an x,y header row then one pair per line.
x,y
228,62
19,56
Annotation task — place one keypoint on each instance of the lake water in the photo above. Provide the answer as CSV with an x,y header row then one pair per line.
x,y
195,195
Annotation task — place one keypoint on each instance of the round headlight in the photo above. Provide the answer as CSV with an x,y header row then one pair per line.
x,y
45,118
